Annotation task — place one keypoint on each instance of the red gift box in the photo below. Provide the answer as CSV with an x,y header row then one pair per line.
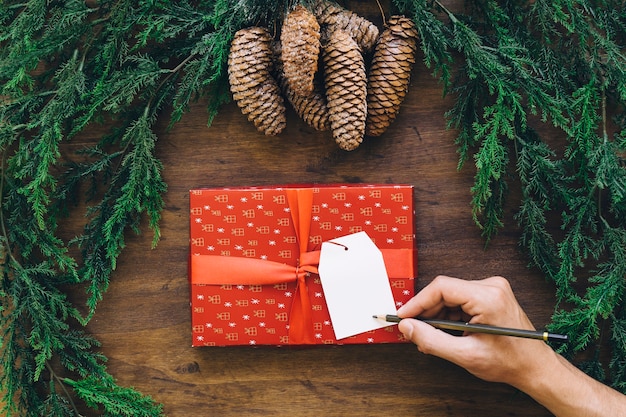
x,y
254,254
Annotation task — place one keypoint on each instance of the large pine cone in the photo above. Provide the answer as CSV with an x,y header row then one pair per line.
x,y
346,88
362,30
390,73
257,94
300,40
310,107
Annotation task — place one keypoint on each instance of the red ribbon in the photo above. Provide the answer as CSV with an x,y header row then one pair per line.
x,y
221,270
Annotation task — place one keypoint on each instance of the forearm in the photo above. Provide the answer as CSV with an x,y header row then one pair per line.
x,y
566,391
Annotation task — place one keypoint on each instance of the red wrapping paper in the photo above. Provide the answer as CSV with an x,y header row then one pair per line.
x,y
254,254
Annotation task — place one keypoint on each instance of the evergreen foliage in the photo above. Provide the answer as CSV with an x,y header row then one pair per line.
x,y
68,65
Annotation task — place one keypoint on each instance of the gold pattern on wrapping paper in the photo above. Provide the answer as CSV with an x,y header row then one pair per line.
x,y
347,217
281,287
402,220
253,242
339,196
398,283
249,253
316,240
225,253
249,213
258,313
284,221
230,219
279,199
196,211
198,309
270,301
380,228
208,228
366,211
355,229
242,303
285,254
223,316
223,241
333,210
375,193
257,195
315,209
317,307
326,225
255,288
329,342
218,330
385,211
281,316
263,230
398,198
268,213
407,238
317,326
232,336
284,340
270,330
250,331
290,240
216,213
216,299
196,192
197,241
198,328
238,231
221,198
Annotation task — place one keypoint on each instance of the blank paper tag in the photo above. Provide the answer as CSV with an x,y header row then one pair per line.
x,y
355,283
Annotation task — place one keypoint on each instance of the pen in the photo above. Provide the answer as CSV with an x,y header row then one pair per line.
x,y
482,328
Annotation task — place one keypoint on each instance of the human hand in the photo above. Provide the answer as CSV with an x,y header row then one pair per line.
x,y
489,301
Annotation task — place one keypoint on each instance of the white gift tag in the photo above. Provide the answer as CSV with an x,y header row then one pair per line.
x,y
355,283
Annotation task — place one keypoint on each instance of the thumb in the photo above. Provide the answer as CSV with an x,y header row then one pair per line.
x,y
432,341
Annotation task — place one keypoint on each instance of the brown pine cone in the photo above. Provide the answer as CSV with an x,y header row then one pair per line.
x,y
311,107
362,30
390,73
346,88
257,94
300,40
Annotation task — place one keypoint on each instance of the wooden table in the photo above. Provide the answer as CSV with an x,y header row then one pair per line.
x,y
144,320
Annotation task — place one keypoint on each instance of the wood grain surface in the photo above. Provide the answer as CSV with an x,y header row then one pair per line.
x,y
144,320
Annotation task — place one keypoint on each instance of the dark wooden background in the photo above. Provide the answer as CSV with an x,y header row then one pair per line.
x,y
144,320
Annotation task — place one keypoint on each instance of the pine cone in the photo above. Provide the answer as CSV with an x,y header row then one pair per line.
x,y
346,88
311,107
300,39
390,73
257,94
362,30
